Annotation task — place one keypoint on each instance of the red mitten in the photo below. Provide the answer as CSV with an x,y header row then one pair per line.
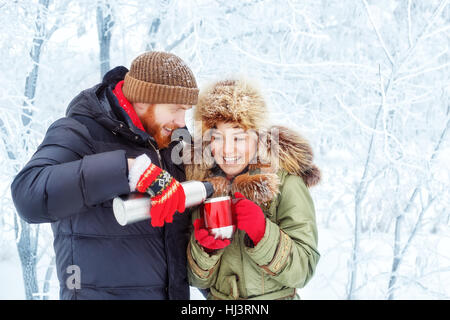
x,y
249,217
166,192
205,239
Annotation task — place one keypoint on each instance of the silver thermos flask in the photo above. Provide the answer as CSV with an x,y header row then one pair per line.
x,y
135,207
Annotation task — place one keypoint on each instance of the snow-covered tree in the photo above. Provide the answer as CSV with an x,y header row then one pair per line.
x,y
367,82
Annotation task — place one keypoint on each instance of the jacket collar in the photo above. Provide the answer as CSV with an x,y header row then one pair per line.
x,y
127,106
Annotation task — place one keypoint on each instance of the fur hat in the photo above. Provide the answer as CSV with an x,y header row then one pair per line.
x,y
236,101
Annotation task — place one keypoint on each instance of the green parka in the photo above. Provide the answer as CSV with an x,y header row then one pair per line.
x,y
286,257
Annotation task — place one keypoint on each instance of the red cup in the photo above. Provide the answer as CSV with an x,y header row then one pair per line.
x,y
219,217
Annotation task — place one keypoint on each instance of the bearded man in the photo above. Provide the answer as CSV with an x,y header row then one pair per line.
x,y
115,139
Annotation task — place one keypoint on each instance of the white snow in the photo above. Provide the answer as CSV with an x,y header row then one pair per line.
x,y
11,283
326,68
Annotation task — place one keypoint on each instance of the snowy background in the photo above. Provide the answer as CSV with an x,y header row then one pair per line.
x,y
366,81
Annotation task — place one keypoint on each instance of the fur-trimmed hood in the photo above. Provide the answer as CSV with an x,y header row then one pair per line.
x,y
278,148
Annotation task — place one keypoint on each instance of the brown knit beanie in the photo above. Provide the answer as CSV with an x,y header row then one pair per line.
x,y
160,77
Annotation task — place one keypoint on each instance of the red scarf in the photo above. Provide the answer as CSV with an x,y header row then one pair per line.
x,y
127,106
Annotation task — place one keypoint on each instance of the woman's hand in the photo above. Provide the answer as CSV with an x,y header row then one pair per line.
x,y
206,240
250,218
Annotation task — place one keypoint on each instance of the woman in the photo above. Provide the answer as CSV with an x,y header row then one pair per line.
x,y
268,171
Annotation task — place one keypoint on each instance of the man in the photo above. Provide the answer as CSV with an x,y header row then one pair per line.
x,y
88,157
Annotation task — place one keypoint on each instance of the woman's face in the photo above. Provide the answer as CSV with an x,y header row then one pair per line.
x,y
232,147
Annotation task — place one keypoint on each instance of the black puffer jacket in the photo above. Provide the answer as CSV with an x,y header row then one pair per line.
x,y
71,180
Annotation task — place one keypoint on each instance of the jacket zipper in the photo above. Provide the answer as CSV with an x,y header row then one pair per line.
x,y
161,165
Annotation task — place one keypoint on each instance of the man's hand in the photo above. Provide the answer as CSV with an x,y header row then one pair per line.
x,y
167,194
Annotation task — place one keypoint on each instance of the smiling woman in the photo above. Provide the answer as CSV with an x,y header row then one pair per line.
x,y
274,250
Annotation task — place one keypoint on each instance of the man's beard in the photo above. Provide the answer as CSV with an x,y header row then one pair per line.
x,y
156,129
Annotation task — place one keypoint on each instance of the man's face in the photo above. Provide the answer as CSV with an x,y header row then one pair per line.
x,y
159,120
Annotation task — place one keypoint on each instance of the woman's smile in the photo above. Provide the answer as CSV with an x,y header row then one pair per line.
x,y
231,160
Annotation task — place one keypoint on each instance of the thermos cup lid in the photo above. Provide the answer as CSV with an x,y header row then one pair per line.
x,y
216,199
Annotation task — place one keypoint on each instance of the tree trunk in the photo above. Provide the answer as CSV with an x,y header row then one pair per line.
x,y
28,235
399,253
360,192
27,249
35,53
105,23
154,28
